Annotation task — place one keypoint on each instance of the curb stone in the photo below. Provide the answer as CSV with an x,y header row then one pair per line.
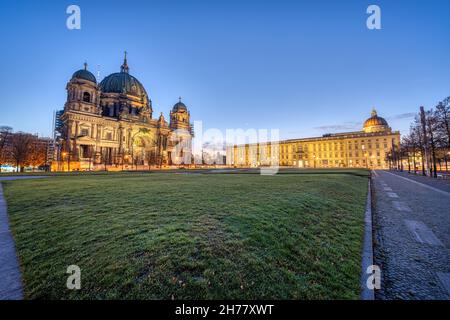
x,y
10,277
367,251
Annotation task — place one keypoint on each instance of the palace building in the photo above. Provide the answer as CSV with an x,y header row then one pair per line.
x,y
368,148
110,125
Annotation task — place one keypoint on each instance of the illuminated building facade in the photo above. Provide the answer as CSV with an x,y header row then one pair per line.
x,y
111,125
368,148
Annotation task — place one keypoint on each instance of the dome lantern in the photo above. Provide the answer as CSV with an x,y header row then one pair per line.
x,y
374,112
124,68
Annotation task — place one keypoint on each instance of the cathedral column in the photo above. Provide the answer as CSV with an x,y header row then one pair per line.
x,y
121,141
99,132
75,148
69,134
129,139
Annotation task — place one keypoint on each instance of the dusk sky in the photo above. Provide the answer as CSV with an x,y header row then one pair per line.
x,y
305,67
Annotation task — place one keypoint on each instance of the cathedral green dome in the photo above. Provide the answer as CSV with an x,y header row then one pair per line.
x,y
122,82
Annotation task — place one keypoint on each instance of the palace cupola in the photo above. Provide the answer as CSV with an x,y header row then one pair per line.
x,y
375,123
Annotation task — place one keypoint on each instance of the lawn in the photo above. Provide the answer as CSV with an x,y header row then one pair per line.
x,y
191,236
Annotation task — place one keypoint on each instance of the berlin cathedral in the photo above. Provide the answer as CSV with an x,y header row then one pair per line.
x,y
110,126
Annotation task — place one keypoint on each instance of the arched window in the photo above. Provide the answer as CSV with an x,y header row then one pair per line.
x,y
86,97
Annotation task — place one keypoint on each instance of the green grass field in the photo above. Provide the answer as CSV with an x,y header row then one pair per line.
x,y
191,236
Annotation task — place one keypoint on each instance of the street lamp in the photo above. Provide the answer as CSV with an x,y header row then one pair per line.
x,y
64,154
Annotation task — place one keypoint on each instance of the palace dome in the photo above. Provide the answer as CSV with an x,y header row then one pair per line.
x,y
84,74
375,123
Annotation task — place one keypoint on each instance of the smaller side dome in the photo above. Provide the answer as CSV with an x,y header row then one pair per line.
x,y
84,74
179,106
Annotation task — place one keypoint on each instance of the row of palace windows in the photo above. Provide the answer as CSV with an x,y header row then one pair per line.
x,y
333,155
335,146
337,162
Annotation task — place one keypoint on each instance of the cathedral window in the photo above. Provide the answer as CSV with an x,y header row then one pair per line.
x,y
86,97
84,151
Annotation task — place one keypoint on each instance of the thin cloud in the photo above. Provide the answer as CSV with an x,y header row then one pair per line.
x,y
402,116
214,145
340,127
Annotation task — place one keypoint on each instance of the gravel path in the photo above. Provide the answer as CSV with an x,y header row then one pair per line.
x,y
8,178
412,237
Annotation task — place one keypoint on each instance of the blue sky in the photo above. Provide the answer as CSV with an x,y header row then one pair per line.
x,y
305,67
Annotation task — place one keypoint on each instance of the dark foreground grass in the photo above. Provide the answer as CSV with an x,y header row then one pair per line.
x,y
191,236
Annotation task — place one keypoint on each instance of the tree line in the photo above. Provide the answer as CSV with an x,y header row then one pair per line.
x,y
427,144
22,149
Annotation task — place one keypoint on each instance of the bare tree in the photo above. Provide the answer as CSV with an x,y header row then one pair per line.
x,y
431,126
443,118
418,133
407,149
5,135
21,143
416,142
37,153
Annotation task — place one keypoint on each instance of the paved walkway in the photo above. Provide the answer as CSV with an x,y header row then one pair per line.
x,y
412,237
442,184
10,276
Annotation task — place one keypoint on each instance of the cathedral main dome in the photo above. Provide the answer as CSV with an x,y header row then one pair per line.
x,y
123,82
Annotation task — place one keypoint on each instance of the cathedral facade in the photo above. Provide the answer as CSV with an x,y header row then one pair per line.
x,y
368,148
110,125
